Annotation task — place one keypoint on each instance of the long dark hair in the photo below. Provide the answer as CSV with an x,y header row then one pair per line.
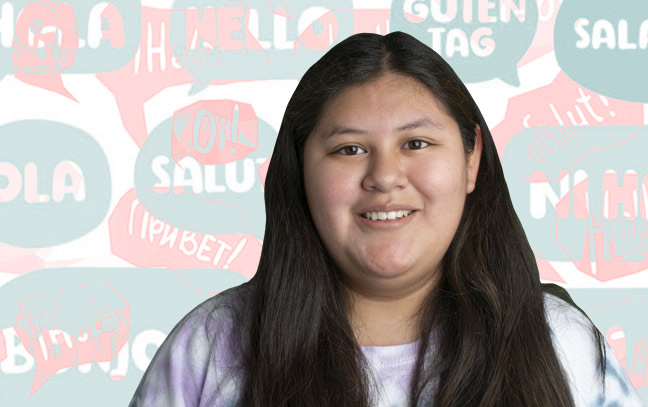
x,y
492,342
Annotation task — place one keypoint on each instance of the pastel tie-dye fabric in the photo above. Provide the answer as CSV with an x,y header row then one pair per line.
x,y
193,368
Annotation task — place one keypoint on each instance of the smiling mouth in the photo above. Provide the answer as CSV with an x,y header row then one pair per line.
x,y
393,215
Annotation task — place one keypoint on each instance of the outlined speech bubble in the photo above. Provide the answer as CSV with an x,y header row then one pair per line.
x,y
54,183
604,46
587,187
72,327
72,36
480,39
209,199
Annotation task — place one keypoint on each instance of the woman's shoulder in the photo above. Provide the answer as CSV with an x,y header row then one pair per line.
x,y
221,308
212,318
578,348
195,364
563,315
574,337
232,298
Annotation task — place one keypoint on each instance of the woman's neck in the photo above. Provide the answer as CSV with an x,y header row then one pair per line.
x,y
380,320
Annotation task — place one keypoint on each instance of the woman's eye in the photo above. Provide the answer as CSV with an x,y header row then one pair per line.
x,y
416,144
350,150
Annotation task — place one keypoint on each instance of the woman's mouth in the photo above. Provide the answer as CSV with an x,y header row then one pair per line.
x,y
392,215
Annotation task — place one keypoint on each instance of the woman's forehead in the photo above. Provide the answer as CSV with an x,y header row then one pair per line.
x,y
399,101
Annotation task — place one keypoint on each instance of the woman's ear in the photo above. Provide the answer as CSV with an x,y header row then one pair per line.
x,y
472,162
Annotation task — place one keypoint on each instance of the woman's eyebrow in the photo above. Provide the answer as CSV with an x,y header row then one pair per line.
x,y
339,130
414,124
421,122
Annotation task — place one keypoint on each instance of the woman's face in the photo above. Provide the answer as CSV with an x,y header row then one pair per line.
x,y
386,179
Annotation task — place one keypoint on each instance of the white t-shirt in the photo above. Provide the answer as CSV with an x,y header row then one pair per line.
x,y
193,367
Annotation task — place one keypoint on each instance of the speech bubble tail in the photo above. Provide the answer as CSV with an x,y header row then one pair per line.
x,y
40,378
512,77
66,93
51,81
131,111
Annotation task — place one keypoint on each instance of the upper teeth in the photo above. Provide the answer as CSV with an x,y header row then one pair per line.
x,y
386,215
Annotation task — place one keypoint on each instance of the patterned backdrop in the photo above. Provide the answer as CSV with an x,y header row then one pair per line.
x,y
135,139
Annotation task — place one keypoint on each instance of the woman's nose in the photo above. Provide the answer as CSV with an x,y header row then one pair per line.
x,y
385,172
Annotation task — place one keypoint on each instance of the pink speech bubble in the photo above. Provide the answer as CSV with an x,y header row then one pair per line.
x,y
563,103
145,241
214,131
72,327
45,44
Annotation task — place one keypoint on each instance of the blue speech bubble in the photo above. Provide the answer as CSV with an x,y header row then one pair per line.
x,y
108,33
603,46
480,39
215,199
54,183
574,185
279,47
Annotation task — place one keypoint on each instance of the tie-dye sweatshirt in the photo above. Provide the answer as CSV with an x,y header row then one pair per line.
x,y
194,367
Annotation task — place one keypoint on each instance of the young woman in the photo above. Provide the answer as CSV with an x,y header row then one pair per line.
x,y
394,270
